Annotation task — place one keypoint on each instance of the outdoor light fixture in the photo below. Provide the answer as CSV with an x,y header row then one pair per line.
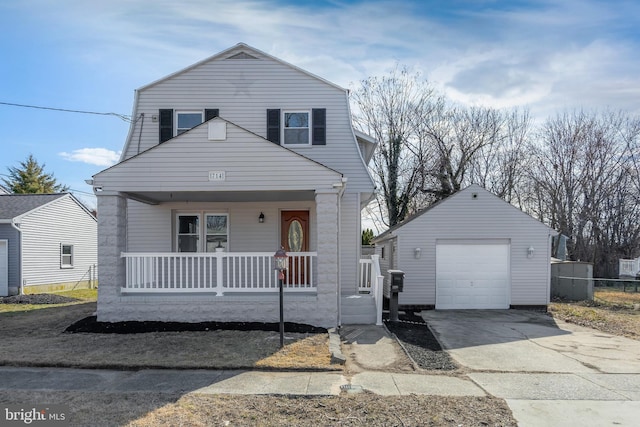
x,y
261,218
417,252
530,252
281,260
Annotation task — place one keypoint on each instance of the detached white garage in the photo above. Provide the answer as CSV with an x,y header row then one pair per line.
x,y
470,251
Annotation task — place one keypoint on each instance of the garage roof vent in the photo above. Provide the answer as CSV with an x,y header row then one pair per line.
x,y
474,195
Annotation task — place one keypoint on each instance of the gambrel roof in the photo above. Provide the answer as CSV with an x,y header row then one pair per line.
x,y
240,51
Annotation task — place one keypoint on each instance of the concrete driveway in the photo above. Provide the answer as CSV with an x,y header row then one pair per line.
x,y
526,341
549,372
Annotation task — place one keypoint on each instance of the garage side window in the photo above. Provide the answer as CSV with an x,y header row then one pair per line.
x,y
66,256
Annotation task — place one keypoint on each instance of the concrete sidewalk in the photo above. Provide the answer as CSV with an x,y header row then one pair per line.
x,y
536,399
233,382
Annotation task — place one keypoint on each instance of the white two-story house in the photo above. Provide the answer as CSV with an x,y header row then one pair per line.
x,y
225,162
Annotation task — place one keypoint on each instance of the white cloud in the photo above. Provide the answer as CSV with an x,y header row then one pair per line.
x,y
92,156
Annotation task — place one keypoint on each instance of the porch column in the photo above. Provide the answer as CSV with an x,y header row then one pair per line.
x,y
112,240
327,248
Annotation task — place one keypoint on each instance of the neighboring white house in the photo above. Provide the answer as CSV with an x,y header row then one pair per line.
x,y
47,242
226,161
472,250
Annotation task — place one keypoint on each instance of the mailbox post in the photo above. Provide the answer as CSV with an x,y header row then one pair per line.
x,y
396,285
281,260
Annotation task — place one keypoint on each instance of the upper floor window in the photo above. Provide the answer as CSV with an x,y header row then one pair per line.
x,y
296,128
185,120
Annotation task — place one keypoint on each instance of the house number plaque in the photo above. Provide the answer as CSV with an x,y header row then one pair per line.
x,y
217,176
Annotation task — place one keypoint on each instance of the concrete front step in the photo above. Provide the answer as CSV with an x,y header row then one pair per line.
x,y
358,310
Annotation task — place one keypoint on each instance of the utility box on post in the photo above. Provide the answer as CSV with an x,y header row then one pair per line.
x,y
396,285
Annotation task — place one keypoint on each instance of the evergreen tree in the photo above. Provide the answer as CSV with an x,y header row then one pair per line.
x,y
367,236
30,178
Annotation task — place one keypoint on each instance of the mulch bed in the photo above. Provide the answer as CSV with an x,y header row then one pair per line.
x,y
419,342
91,324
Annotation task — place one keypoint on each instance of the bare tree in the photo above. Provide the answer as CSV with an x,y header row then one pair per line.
x,y
582,184
387,108
473,145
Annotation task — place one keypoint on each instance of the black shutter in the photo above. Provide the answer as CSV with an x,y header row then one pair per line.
x,y
166,125
210,113
319,122
273,126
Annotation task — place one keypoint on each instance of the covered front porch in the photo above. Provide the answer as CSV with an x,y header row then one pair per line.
x,y
187,231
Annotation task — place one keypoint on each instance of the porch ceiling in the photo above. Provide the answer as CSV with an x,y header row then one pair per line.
x,y
156,197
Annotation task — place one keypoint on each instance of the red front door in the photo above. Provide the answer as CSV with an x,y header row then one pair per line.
x,y
294,237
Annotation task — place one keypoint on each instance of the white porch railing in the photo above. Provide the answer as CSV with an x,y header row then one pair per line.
x,y
629,267
370,281
217,272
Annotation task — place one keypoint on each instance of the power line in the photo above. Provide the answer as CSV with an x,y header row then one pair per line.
x,y
123,117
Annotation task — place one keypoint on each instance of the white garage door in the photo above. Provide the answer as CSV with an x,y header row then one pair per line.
x,y
472,276
4,268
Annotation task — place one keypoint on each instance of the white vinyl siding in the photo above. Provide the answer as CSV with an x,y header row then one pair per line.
x,y
350,242
184,162
246,233
43,231
243,90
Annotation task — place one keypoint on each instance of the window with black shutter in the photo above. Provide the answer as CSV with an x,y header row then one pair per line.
x,y
273,125
319,121
166,125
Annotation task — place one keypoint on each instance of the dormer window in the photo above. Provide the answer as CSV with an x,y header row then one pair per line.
x,y
296,128
186,120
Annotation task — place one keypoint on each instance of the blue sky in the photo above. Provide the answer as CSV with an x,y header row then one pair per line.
x,y
91,55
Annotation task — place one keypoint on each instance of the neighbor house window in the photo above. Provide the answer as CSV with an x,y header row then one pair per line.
x,y
66,256
191,237
186,120
296,128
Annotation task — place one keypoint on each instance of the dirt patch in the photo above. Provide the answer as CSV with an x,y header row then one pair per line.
x,y
610,311
613,320
144,409
37,299
23,332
